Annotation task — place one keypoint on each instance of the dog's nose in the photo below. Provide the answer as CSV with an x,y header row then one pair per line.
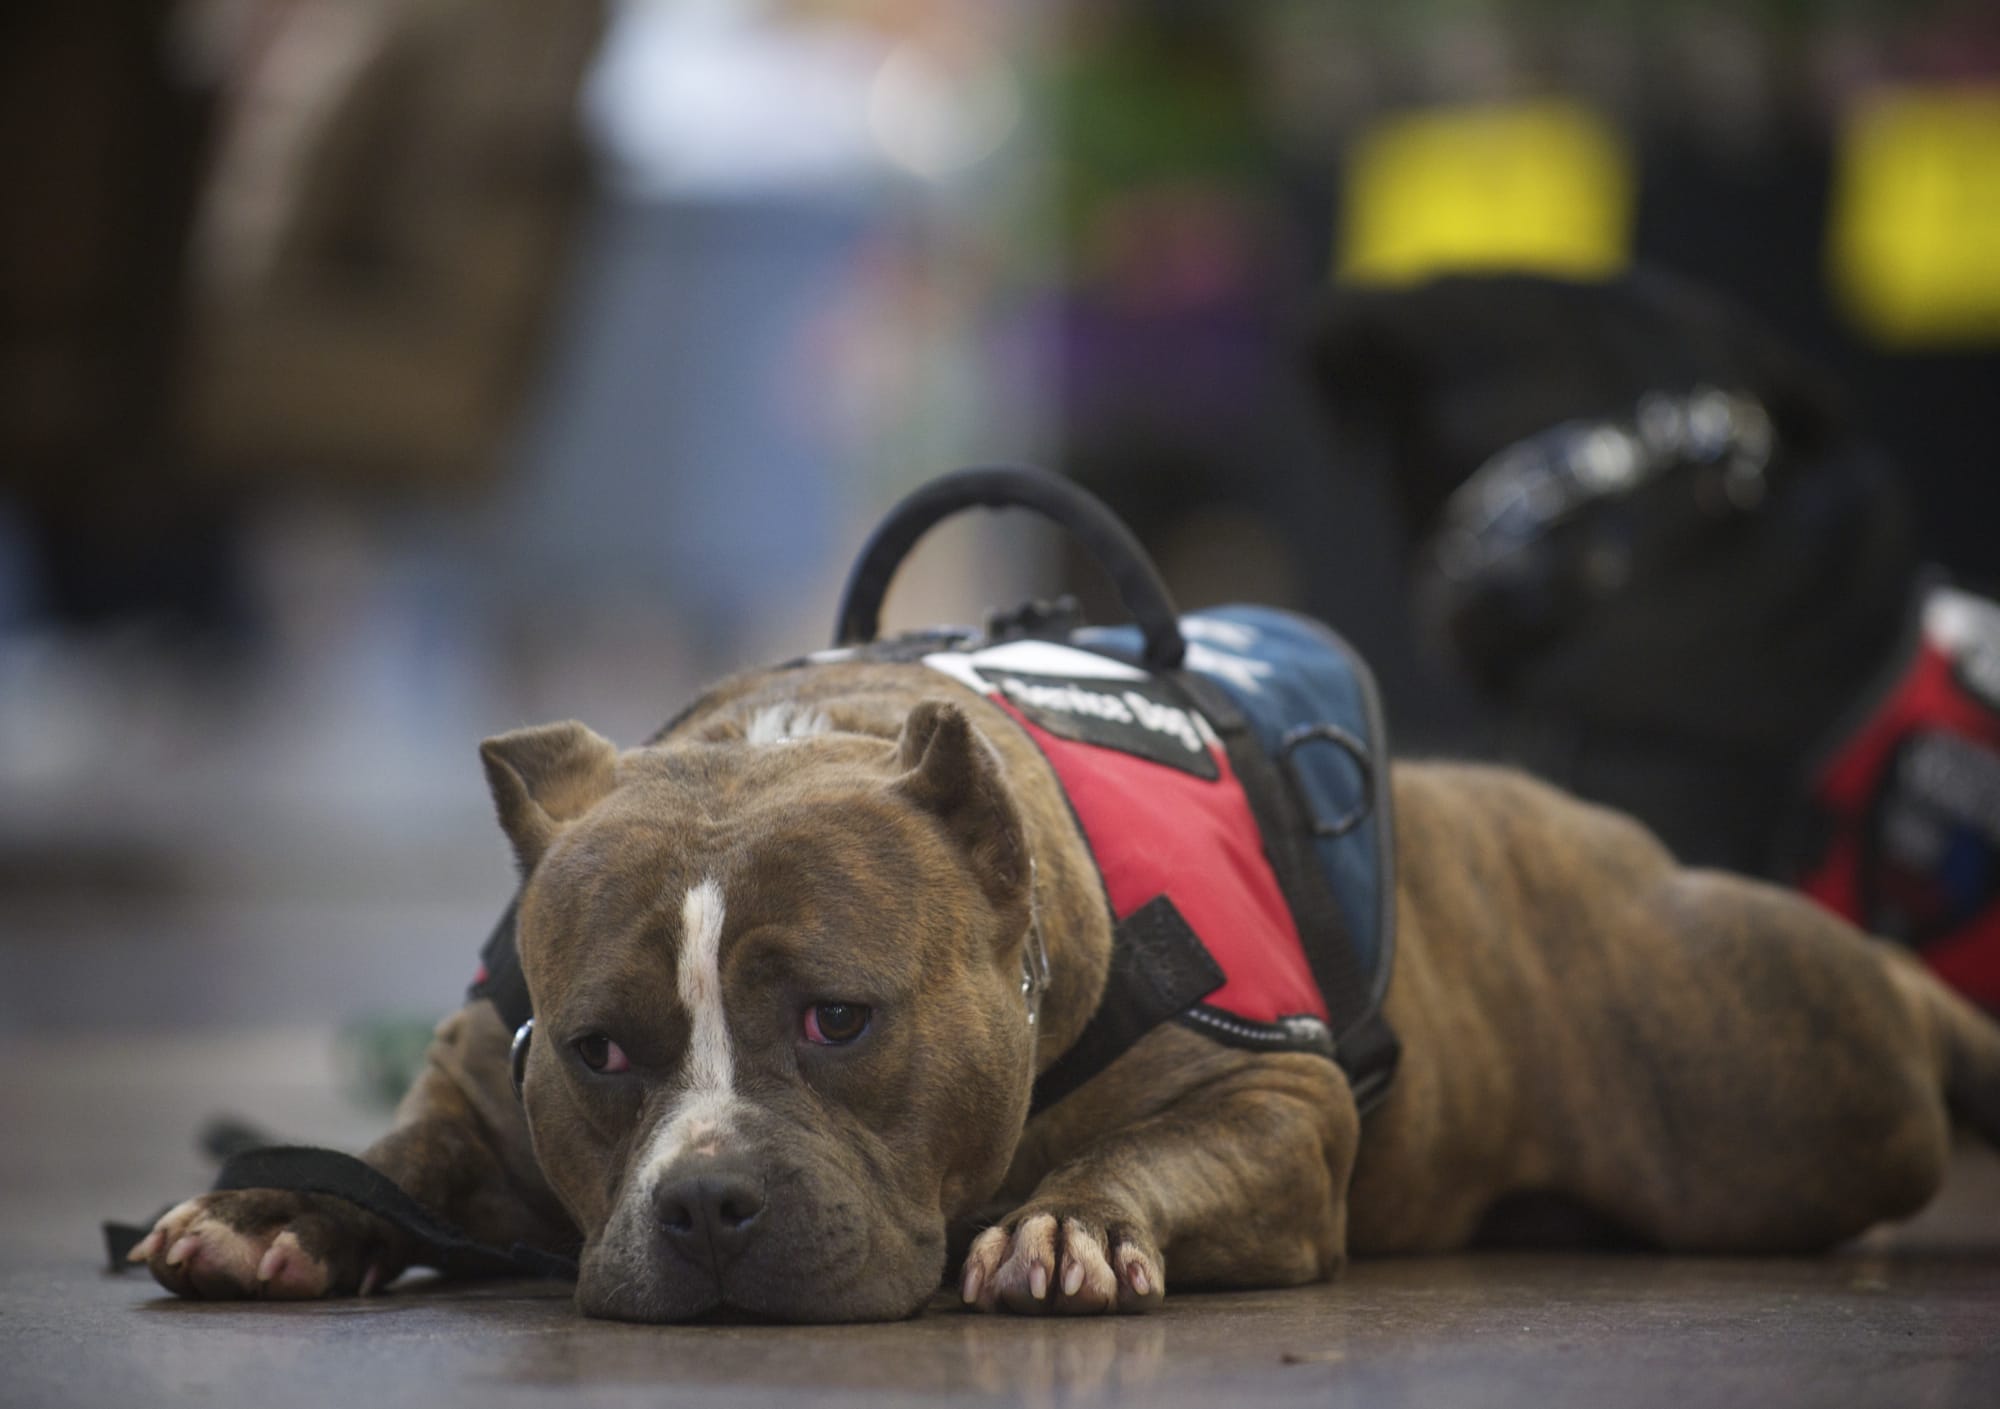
x,y
710,1214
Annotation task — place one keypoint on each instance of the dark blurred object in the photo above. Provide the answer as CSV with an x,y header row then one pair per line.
x,y
223,1137
100,154
280,240
390,194
1638,526
1772,224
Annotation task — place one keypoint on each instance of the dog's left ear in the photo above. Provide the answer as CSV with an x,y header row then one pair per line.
x,y
951,772
544,777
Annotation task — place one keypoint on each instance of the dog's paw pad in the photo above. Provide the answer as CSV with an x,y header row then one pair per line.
x,y
1062,1263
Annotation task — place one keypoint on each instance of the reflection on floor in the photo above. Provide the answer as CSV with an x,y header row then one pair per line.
x,y
99,1126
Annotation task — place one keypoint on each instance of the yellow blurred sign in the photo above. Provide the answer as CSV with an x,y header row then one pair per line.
x,y
1914,244
1543,187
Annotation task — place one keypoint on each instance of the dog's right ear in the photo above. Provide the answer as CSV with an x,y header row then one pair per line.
x,y
544,777
954,774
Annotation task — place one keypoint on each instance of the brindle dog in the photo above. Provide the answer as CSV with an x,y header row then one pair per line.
x,y
782,1049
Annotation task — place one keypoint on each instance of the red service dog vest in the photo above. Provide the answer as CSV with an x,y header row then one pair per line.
x,y
1905,808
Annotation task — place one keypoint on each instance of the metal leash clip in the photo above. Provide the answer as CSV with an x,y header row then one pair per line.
x,y
1035,956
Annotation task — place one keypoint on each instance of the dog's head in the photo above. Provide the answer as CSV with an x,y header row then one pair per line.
x,y
780,1037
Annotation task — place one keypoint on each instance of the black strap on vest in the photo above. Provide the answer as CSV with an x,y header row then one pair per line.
x,y
501,982
1159,969
435,1243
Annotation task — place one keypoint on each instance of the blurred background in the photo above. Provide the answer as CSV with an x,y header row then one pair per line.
x,y
378,375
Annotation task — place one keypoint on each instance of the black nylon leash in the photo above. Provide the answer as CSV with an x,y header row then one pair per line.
x,y
303,1169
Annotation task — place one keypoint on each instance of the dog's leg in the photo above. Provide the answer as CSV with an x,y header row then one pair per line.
x,y
1793,1081
1965,1044
459,1147
1239,1181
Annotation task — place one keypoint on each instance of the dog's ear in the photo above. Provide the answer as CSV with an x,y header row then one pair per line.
x,y
951,772
544,777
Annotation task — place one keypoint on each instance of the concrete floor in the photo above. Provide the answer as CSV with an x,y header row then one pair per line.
x,y
97,1126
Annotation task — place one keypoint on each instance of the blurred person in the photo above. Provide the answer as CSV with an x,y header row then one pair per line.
x,y
274,243
276,281
383,230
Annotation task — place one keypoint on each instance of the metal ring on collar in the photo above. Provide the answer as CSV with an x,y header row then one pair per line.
x,y
1355,749
517,1055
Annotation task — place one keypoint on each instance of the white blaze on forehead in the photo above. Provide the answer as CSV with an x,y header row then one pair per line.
x,y
709,1064
702,1116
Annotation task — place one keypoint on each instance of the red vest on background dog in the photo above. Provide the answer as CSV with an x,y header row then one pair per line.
x,y
1903,830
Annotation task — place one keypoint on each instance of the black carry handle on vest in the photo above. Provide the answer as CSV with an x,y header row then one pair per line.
x,y
1140,587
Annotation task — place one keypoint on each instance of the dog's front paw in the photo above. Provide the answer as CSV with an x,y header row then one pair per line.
x,y
268,1243
1075,1260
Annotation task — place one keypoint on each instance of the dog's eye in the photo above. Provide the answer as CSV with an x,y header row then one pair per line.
x,y
601,1054
835,1024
